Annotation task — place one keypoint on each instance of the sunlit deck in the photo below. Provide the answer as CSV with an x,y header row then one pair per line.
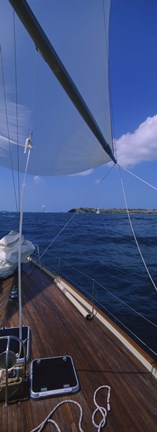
x,y
58,328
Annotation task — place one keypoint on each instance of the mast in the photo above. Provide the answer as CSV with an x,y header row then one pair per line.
x,y
45,47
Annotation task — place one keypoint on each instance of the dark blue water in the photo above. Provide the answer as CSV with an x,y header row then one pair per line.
x,y
98,255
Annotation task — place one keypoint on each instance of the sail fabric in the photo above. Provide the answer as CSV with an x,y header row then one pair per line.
x,y
63,144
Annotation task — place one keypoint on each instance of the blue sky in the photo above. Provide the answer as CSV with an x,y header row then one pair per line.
x,y
133,90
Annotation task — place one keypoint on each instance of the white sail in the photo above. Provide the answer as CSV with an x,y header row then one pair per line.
x,y
63,144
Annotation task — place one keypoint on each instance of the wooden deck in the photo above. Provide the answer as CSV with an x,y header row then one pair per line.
x,y
57,328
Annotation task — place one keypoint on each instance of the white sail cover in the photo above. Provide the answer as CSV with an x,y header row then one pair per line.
x,y
62,142
9,252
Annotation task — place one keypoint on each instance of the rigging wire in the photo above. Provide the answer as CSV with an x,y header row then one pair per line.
x,y
109,86
120,300
34,89
8,133
139,178
102,307
116,319
69,221
134,236
16,97
28,147
17,116
111,293
126,304
57,235
106,50
63,230
128,329
133,232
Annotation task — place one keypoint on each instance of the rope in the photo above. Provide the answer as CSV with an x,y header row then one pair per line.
x,y
102,410
20,245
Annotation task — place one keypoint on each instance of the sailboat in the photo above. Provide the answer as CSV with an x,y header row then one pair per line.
x,y
56,342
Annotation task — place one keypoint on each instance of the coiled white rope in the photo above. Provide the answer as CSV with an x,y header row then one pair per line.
x,y
102,410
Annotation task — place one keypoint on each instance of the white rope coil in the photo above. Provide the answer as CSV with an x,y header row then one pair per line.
x,y
102,410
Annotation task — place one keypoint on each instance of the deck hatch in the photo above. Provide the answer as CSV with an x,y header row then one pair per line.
x,y
52,376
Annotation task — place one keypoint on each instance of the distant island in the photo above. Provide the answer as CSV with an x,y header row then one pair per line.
x,y
111,210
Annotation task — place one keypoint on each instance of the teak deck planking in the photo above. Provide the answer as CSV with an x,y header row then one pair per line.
x,y
57,328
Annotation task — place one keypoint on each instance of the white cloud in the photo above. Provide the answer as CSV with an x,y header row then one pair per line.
x,y
139,146
136,147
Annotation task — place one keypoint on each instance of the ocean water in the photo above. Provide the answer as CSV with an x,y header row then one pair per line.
x,y
98,255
